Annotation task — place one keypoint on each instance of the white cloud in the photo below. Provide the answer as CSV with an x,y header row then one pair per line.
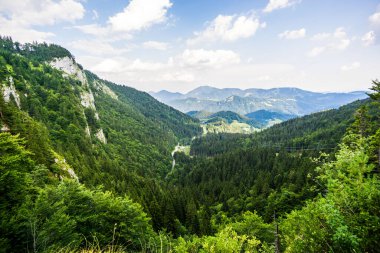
x,y
179,76
103,33
200,58
316,51
135,72
342,45
140,14
41,12
341,39
95,15
98,47
279,4
264,78
22,34
228,28
138,65
108,66
190,68
137,15
351,66
292,35
93,29
19,17
336,41
320,36
375,19
369,38
155,45
186,67
180,64
120,65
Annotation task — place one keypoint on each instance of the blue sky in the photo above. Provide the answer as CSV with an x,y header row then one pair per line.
x,y
324,45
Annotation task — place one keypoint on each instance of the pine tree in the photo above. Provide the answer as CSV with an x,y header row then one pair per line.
x,y
376,90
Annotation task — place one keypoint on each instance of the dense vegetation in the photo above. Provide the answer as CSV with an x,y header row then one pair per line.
x,y
140,131
259,119
63,189
226,115
318,131
265,116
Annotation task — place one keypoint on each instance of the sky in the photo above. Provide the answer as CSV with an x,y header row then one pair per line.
x,y
178,45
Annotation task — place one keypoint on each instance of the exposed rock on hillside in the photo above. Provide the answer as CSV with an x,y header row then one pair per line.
x,y
9,90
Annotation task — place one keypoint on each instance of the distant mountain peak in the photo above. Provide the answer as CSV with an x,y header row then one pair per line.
x,y
288,100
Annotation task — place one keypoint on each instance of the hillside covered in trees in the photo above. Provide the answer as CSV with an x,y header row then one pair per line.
x,y
85,164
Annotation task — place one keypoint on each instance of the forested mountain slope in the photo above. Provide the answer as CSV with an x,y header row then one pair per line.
x,y
85,128
320,131
93,123
277,171
85,165
232,122
269,170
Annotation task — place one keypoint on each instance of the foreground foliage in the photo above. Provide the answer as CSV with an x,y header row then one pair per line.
x,y
347,218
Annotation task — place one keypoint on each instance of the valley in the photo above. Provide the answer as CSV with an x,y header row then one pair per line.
x,y
87,165
254,109
181,149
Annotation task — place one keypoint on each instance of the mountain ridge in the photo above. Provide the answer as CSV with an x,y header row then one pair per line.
x,y
82,127
288,100
258,120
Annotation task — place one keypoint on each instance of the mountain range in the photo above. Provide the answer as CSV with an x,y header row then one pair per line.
x,y
292,101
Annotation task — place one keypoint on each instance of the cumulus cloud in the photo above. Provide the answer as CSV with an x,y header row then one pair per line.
x,y
155,45
22,34
336,41
279,4
98,47
140,14
19,18
103,33
375,19
189,67
351,66
316,51
181,64
93,29
136,71
185,67
41,12
228,28
117,65
200,58
369,38
108,66
139,65
292,35
341,39
320,36
178,76
137,15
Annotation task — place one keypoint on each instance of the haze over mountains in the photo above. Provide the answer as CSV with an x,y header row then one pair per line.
x,y
283,100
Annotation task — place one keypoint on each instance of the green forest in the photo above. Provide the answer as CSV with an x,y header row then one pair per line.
x,y
86,166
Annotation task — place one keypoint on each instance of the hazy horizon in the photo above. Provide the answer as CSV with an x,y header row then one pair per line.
x,y
265,88
177,45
